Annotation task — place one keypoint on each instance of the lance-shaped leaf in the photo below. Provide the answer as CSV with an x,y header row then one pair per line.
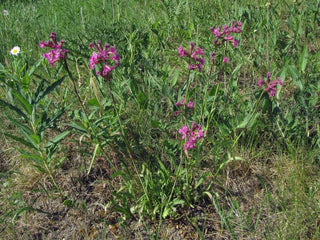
x,y
303,59
49,89
57,139
23,102
17,110
21,140
96,151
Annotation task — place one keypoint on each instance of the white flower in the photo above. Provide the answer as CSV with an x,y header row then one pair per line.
x,y
15,50
5,12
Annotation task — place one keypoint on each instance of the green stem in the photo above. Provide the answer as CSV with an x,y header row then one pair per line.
x,y
49,171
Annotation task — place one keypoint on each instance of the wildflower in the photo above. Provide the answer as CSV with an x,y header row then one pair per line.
x,y
184,131
15,50
182,102
56,53
191,135
224,34
271,86
176,113
103,55
5,12
226,60
197,55
190,104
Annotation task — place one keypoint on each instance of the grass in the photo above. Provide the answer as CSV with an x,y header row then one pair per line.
x,y
87,157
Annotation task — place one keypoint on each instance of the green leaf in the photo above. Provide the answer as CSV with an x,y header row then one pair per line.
x,y
21,140
25,82
175,77
282,75
54,118
93,102
57,139
34,142
17,110
267,104
41,169
24,103
2,67
68,203
56,166
167,91
36,65
28,208
295,76
303,59
248,121
35,138
35,158
49,89
142,99
155,124
81,127
236,70
96,151
21,126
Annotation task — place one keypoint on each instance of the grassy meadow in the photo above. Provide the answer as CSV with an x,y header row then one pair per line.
x,y
189,120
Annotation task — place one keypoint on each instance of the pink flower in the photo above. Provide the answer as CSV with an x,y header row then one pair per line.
x,y
190,104
56,53
184,131
224,35
102,57
226,60
181,51
180,103
191,135
197,56
176,113
270,86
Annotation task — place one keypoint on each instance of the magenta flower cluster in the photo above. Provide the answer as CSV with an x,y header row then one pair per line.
x,y
191,135
103,55
57,53
183,102
271,86
190,104
224,34
197,55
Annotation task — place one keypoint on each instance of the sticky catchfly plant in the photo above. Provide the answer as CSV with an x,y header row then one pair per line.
x,y
57,53
15,51
191,135
224,34
196,55
103,57
270,86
